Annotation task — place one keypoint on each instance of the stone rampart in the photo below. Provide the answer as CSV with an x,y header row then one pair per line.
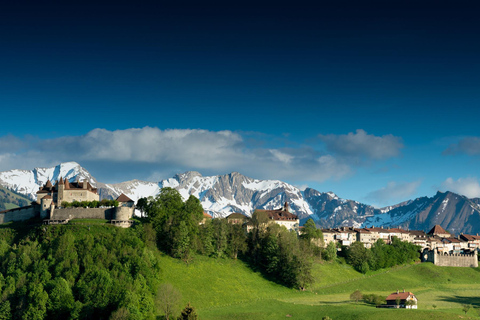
x,y
18,214
84,213
452,259
123,213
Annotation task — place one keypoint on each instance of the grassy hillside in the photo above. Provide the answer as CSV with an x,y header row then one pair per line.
x,y
10,199
220,288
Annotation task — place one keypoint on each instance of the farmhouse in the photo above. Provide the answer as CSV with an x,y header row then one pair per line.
x,y
402,300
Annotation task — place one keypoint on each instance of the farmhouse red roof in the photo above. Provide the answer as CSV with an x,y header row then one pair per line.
x,y
399,295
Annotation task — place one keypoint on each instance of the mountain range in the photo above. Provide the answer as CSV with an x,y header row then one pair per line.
x,y
223,194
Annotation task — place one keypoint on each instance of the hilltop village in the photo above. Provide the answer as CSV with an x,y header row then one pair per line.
x,y
62,201
438,246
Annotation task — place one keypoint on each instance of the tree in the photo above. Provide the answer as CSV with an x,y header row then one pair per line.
x,y
356,295
358,256
188,313
466,307
142,205
5,312
397,301
310,231
330,252
237,240
168,300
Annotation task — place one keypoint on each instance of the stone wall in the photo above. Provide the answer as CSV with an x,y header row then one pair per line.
x,y
452,260
123,213
18,214
83,213
80,195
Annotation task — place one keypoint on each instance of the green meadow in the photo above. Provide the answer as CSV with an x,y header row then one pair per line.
x,y
228,289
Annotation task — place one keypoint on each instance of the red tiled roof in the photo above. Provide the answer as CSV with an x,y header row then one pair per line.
x,y
417,233
47,197
437,229
206,215
124,198
400,295
470,237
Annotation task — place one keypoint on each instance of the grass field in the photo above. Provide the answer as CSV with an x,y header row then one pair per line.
x,y
227,289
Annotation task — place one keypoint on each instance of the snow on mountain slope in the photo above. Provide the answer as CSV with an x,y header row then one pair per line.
x,y
223,194
28,182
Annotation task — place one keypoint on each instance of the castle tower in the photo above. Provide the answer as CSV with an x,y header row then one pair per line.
x,y
61,189
45,203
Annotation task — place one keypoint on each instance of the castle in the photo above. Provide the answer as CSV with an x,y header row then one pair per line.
x,y
68,192
49,205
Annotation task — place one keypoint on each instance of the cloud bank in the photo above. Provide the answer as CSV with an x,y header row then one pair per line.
x,y
468,187
152,152
363,145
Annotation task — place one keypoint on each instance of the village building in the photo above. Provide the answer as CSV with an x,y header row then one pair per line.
x,y
473,241
438,231
364,236
283,217
206,217
124,201
401,300
236,218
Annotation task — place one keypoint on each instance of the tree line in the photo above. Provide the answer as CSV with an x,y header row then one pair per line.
x,y
380,255
181,232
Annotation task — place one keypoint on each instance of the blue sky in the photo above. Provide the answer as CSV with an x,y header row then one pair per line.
x,y
375,101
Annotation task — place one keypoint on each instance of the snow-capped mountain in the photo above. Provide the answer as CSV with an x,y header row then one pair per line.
x,y
220,195
223,194
453,212
28,182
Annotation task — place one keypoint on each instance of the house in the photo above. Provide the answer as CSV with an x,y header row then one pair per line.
x,y
402,300
438,231
206,217
364,236
124,201
473,241
236,218
283,217
329,235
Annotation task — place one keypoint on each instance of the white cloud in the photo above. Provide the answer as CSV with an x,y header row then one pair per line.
x,y
363,145
393,192
468,187
150,152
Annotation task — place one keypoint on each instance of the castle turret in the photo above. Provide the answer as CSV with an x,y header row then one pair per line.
x,y
45,206
61,189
